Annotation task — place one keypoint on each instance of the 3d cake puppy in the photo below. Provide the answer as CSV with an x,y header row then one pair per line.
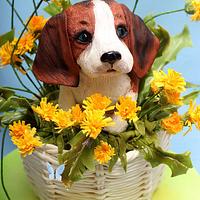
x,y
95,46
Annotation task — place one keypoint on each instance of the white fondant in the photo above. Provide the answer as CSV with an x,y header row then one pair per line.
x,y
111,86
66,99
120,125
105,39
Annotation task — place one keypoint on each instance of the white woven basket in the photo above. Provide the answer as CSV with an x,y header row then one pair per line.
x,y
138,183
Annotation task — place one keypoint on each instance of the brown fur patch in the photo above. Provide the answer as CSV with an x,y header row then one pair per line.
x,y
79,17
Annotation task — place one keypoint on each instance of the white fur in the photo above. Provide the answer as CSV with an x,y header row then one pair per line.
x,y
105,39
94,76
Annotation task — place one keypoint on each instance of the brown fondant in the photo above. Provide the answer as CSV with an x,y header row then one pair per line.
x,y
55,62
141,42
80,17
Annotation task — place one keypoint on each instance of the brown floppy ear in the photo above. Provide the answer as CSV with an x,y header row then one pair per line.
x,y
54,62
142,43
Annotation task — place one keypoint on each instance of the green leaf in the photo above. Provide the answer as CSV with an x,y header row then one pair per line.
x,y
122,152
74,165
60,144
87,158
144,88
13,103
140,127
178,163
128,134
164,38
177,43
52,9
162,110
190,97
6,93
113,142
9,36
66,4
192,85
10,117
150,126
160,33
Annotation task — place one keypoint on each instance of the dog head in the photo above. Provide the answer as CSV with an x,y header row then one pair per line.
x,y
97,37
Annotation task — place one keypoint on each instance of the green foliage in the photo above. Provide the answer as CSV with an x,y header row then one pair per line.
x,y
160,33
6,93
122,152
113,142
9,36
178,163
192,85
9,117
54,9
13,108
190,97
177,43
75,159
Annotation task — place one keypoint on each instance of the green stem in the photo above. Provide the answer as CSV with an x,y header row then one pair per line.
x,y
2,151
26,25
12,63
135,6
18,89
23,84
30,79
17,14
40,85
164,13
12,14
34,4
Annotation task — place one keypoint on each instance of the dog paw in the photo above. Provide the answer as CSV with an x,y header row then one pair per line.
x,y
119,126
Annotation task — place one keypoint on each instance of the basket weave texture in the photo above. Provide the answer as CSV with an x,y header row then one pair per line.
x,y
138,183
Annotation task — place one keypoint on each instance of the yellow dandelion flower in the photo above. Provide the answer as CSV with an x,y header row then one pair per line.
x,y
103,152
127,108
45,110
173,124
77,114
97,102
173,97
196,6
158,80
6,52
27,143
174,81
57,2
94,121
22,135
63,119
18,129
26,44
172,84
194,115
36,24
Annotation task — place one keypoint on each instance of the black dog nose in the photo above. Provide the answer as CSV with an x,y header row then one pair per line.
x,y
111,57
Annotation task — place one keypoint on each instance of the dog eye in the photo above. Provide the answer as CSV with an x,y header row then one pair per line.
x,y
84,37
122,31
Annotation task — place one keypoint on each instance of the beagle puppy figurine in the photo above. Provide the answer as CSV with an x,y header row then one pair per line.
x,y
95,46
